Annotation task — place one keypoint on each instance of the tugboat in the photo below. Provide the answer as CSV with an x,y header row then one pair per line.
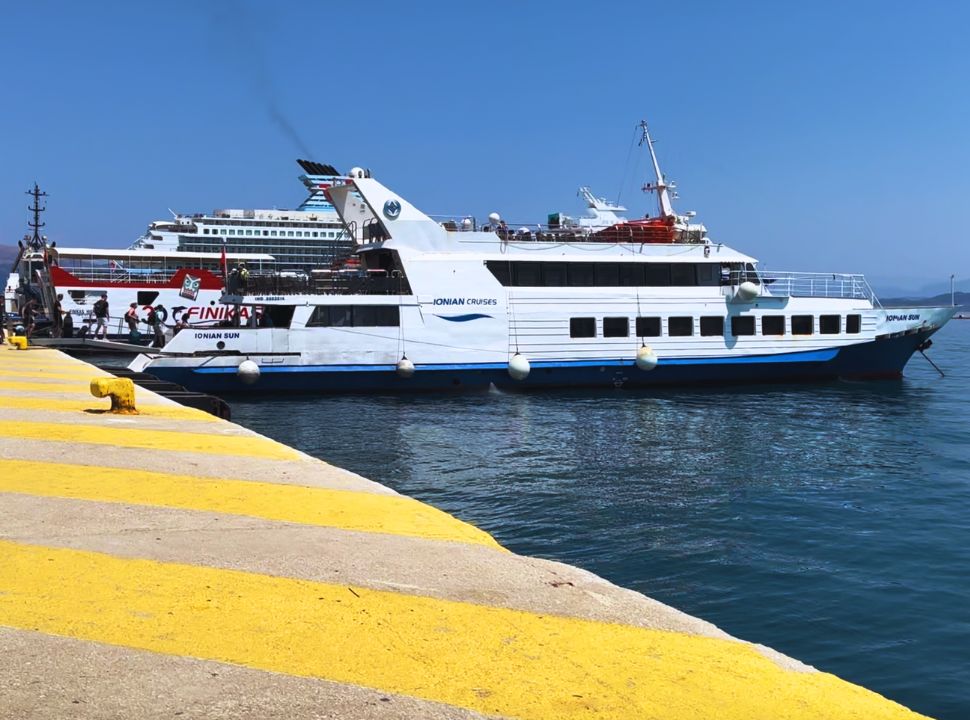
x,y
457,306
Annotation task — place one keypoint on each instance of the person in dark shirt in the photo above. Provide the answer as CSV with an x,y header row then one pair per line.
x,y
101,316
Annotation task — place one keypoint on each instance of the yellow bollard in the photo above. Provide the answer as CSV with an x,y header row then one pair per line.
x,y
121,391
19,342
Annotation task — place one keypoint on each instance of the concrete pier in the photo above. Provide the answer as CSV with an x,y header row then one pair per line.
x,y
169,564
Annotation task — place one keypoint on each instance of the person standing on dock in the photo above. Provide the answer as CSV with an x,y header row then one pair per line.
x,y
155,323
28,313
131,318
101,316
57,318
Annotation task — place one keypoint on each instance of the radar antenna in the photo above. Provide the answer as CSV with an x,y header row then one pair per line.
x,y
36,242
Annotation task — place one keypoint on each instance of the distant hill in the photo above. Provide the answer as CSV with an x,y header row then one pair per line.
x,y
960,298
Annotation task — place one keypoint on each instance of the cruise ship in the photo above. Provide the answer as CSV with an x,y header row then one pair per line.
x,y
179,264
614,304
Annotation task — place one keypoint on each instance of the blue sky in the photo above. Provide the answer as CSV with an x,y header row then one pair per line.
x,y
816,136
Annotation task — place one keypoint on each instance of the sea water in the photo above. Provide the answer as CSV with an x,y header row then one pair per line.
x,y
829,521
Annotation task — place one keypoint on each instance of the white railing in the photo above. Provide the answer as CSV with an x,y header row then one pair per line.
x,y
803,284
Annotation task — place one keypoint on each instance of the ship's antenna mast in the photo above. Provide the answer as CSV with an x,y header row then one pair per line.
x,y
36,242
660,186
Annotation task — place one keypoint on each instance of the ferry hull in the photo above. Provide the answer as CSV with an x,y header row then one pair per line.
x,y
877,359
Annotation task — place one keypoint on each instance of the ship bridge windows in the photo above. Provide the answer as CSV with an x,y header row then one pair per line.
x,y
533,273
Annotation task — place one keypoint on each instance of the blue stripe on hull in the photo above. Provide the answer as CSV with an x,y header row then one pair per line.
x,y
876,359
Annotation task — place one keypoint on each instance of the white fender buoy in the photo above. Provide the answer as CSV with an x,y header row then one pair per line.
x,y
248,372
405,368
748,291
519,367
646,358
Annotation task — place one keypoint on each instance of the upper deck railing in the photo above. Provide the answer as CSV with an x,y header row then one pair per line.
x,y
803,284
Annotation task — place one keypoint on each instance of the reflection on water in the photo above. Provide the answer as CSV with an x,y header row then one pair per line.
x,y
828,521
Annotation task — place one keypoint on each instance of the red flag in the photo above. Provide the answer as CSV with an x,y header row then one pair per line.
x,y
223,263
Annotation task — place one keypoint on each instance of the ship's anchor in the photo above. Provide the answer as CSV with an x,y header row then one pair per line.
x,y
926,345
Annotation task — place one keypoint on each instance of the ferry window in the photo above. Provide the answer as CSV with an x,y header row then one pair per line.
x,y
648,327
773,325
582,327
709,275
273,233
501,269
682,275
616,327
554,274
231,231
680,326
376,316
830,324
278,316
631,274
853,324
299,233
657,274
265,233
744,325
289,233
711,326
526,274
605,275
249,231
581,274
355,316
146,297
801,324
314,233
205,231
341,316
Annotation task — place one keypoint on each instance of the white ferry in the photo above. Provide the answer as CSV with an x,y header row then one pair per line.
x,y
449,306
178,263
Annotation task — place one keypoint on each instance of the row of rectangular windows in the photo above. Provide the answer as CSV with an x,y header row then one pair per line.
x,y
355,316
262,221
273,233
713,326
531,273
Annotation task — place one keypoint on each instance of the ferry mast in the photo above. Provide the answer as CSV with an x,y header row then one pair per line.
x,y
37,241
660,186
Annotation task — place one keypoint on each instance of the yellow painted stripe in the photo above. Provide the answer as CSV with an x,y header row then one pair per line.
x,y
78,374
249,446
344,509
491,660
175,412
80,387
